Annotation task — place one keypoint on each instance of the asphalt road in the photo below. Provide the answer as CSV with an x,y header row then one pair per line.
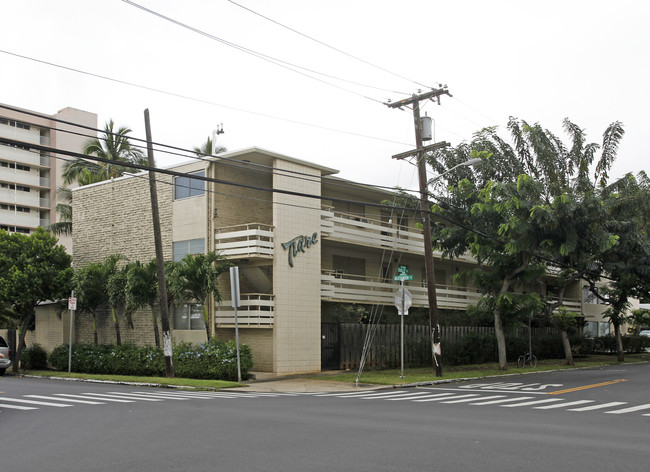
x,y
587,420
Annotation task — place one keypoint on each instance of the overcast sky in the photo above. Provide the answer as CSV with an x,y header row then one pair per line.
x,y
539,61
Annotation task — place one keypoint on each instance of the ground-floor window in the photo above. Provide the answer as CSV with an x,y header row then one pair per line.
x,y
188,316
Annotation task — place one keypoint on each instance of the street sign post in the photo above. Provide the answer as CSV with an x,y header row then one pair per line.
x,y
403,301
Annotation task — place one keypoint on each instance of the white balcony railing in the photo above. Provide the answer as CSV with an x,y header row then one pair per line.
x,y
353,229
256,311
359,289
244,241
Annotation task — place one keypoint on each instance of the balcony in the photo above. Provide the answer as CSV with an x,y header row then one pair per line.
x,y
253,240
347,288
256,311
353,229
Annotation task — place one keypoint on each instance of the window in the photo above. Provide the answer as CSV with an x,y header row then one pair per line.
x,y
189,316
603,329
191,246
186,186
591,329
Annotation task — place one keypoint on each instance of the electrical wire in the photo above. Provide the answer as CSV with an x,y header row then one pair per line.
x,y
279,62
329,46
204,101
190,154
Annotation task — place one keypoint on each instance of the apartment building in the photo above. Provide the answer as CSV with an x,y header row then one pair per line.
x,y
29,177
299,235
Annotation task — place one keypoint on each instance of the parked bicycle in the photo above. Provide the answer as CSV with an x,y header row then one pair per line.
x,y
527,359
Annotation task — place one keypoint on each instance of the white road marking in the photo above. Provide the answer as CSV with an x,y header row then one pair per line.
x,y
505,400
534,402
116,400
436,397
34,402
122,396
563,405
69,400
465,400
629,410
17,407
597,407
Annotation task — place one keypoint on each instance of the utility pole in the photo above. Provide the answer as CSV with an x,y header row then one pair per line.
x,y
160,262
424,210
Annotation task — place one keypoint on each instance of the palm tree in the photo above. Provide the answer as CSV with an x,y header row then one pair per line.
x,y
115,283
64,209
197,276
206,148
90,284
113,146
142,290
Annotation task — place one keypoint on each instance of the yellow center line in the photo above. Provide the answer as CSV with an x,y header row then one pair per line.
x,y
585,387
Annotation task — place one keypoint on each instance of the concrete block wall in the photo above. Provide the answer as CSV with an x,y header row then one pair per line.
x,y
114,217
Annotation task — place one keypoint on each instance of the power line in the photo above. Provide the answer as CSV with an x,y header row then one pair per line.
x,y
328,45
279,62
193,155
201,100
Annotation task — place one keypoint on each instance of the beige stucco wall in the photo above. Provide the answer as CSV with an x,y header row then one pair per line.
x,y
297,325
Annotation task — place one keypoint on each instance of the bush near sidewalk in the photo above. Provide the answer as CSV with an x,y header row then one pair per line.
x,y
214,359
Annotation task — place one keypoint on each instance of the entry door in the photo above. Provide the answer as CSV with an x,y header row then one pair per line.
x,y
330,346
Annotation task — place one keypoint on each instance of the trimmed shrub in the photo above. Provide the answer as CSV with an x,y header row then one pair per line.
x,y
210,360
34,357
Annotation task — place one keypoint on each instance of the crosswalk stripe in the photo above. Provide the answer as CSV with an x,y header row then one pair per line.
x,y
382,395
158,395
34,402
504,400
534,402
470,399
435,397
563,405
69,400
122,396
116,400
360,394
597,407
407,396
17,407
629,410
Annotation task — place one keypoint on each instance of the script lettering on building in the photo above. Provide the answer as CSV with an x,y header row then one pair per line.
x,y
299,244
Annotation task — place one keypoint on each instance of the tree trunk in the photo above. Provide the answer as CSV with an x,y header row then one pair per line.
x,y
116,323
501,339
154,320
27,321
95,337
568,355
619,342
206,320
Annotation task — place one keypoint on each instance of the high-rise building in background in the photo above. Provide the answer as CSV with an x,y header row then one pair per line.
x,y
29,177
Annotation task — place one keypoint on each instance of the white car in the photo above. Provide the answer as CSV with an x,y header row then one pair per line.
x,y
644,332
5,356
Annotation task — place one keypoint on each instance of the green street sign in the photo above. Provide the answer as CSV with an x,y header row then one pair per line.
x,y
403,277
402,270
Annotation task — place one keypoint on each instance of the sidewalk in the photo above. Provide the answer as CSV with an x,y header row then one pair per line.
x,y
265,382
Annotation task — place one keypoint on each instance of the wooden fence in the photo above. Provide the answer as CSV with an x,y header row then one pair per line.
x,y
385,342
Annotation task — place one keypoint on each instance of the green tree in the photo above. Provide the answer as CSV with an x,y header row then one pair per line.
x,y
33,269
563,320
90,290
205,149
626,265
115,296
503,239
142,290
196,277
112,145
